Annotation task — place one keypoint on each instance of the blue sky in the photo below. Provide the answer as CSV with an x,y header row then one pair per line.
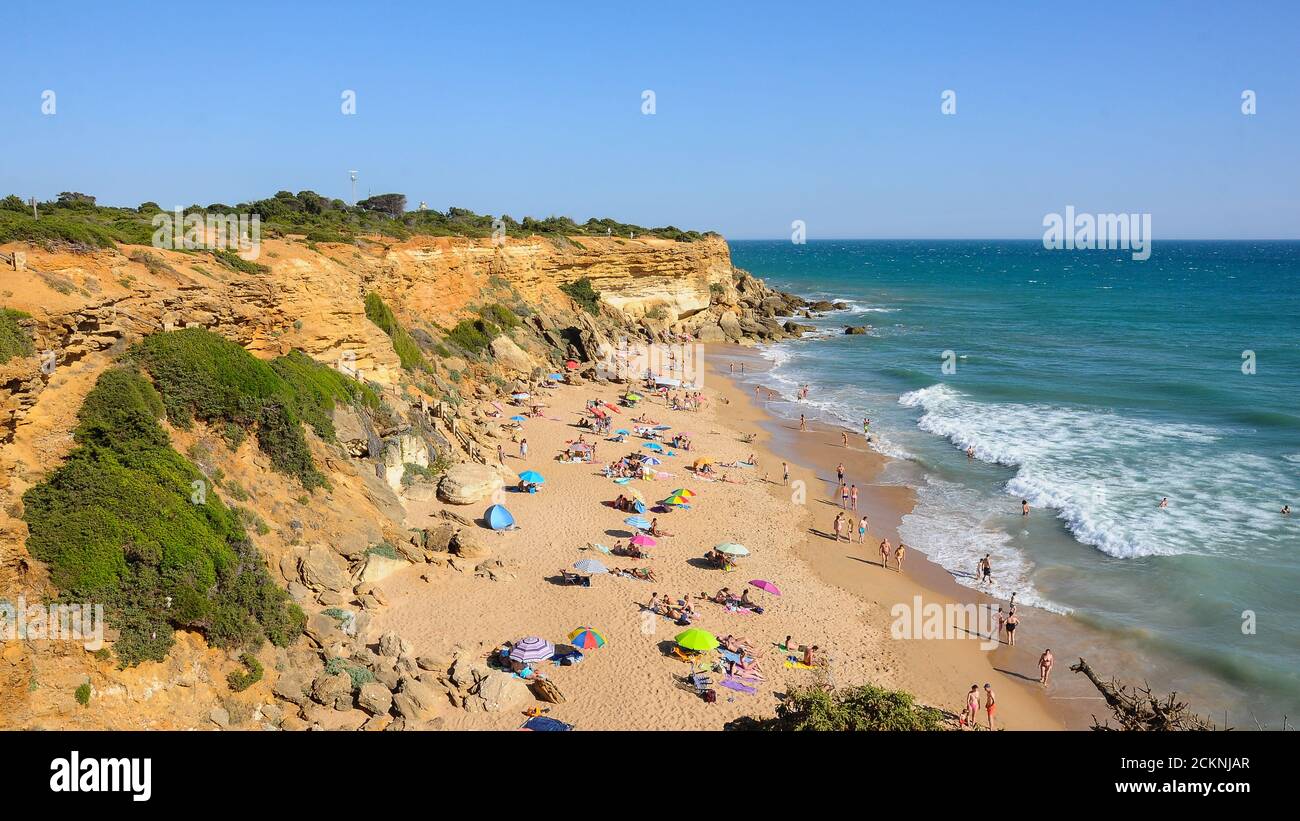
x,y
765,112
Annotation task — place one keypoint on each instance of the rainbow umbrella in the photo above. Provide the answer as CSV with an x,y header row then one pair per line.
x,y
762,584
681,491
585,638
697,640
642,540
676,500
532,648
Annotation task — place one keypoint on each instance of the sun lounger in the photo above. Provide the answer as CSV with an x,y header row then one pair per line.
x,y
575,579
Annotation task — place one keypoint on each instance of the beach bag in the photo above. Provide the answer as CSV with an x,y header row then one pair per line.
x,y
710,696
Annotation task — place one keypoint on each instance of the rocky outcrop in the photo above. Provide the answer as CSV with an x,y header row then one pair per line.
x,y
469,483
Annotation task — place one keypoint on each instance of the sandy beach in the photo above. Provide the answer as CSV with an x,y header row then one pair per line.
x,y
835,596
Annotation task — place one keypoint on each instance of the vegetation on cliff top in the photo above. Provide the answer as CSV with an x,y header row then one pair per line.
x,y
75,220
129,523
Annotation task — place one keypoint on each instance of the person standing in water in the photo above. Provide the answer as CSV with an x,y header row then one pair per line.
x,y
862,530
1024,507
844,438
866,426
803,423
1286,510
839,472
1164,503
853,497
1045,662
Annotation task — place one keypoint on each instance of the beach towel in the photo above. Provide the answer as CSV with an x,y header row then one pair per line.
x,y
798,665
739,686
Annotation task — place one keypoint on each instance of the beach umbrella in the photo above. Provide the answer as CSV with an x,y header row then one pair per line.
x,y
518,418
532,477
766,585
655,446
498,518
651,461
623,432
681,491
638,506
696,639
676,500
661,427
637,522
571,365
590,566
555,377
585,638
634,493
701,462
532,648
598,546
642,540
520,395
732,549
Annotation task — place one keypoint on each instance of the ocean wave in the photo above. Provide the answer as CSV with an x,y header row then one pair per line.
x,y
1104,472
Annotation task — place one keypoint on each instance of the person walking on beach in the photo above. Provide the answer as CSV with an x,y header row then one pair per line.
x,y
523,448
839,472
899,552
1045,662
803,423
862,530
785,474
844,496
885,549
844,437
990,703
1000,623
972,707
853,497
1012,621
501,454
985,570
742,367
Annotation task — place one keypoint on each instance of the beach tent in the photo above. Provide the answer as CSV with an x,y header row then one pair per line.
x,y
498,518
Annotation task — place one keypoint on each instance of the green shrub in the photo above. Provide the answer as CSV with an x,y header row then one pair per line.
x,y
581,292
119,522
473,335
384,549
412,473
378,312
360,674
14,340
318,388
54,231
83,694
498,314
241,680
868,707
235,262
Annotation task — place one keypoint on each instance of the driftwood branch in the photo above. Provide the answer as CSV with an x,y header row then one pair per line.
x,y
1137,708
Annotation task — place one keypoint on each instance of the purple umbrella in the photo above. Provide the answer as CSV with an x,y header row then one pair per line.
x,y
532,648
765,585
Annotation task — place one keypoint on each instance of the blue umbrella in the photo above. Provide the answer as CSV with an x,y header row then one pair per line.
x,y
638,506
555,377
655,446
637,522
623,432
498,518
518,418
532,477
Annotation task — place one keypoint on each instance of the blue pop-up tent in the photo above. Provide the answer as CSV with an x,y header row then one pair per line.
x,y
498,518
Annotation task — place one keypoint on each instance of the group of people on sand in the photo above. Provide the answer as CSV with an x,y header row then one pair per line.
x,y
725,597
681,612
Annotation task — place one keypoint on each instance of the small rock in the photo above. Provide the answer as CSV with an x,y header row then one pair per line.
x,y
375,698
220,717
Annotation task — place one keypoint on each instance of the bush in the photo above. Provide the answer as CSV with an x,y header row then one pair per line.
x,y
358,673
54,231
412,473
14,340
384,549
119,522
204,376
241,680
868,707
83,694
500,315
472,335
235,262
581,292
378,312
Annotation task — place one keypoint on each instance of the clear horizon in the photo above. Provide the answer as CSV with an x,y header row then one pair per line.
x,y
831,116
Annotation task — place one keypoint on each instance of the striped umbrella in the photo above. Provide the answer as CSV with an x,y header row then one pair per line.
x,y
532,648
593,566
585,638
638,522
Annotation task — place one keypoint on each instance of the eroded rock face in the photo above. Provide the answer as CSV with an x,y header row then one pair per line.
x,y
469,483
322,569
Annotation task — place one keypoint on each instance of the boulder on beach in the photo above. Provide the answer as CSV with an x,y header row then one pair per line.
x,y
322,569
468,483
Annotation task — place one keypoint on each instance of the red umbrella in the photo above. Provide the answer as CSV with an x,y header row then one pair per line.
x,y
571,365
766,585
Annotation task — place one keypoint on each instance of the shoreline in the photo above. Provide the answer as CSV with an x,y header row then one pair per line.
x,y
1068,702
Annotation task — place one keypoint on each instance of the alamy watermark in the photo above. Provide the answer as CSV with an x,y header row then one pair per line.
x,y
196,231
81,623
1086,232
673,365
931,620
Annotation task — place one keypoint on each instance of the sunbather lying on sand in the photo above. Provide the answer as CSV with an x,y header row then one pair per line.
x,y
736,644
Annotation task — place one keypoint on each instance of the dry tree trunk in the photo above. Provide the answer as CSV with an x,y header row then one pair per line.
x,y
1138,709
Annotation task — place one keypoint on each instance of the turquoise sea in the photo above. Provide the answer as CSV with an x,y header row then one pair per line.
x,y
1091,385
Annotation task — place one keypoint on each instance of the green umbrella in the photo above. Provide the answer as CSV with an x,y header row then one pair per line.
x,y
697,639
732,549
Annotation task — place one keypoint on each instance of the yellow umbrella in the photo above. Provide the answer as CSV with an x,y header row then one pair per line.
x,y
634,493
